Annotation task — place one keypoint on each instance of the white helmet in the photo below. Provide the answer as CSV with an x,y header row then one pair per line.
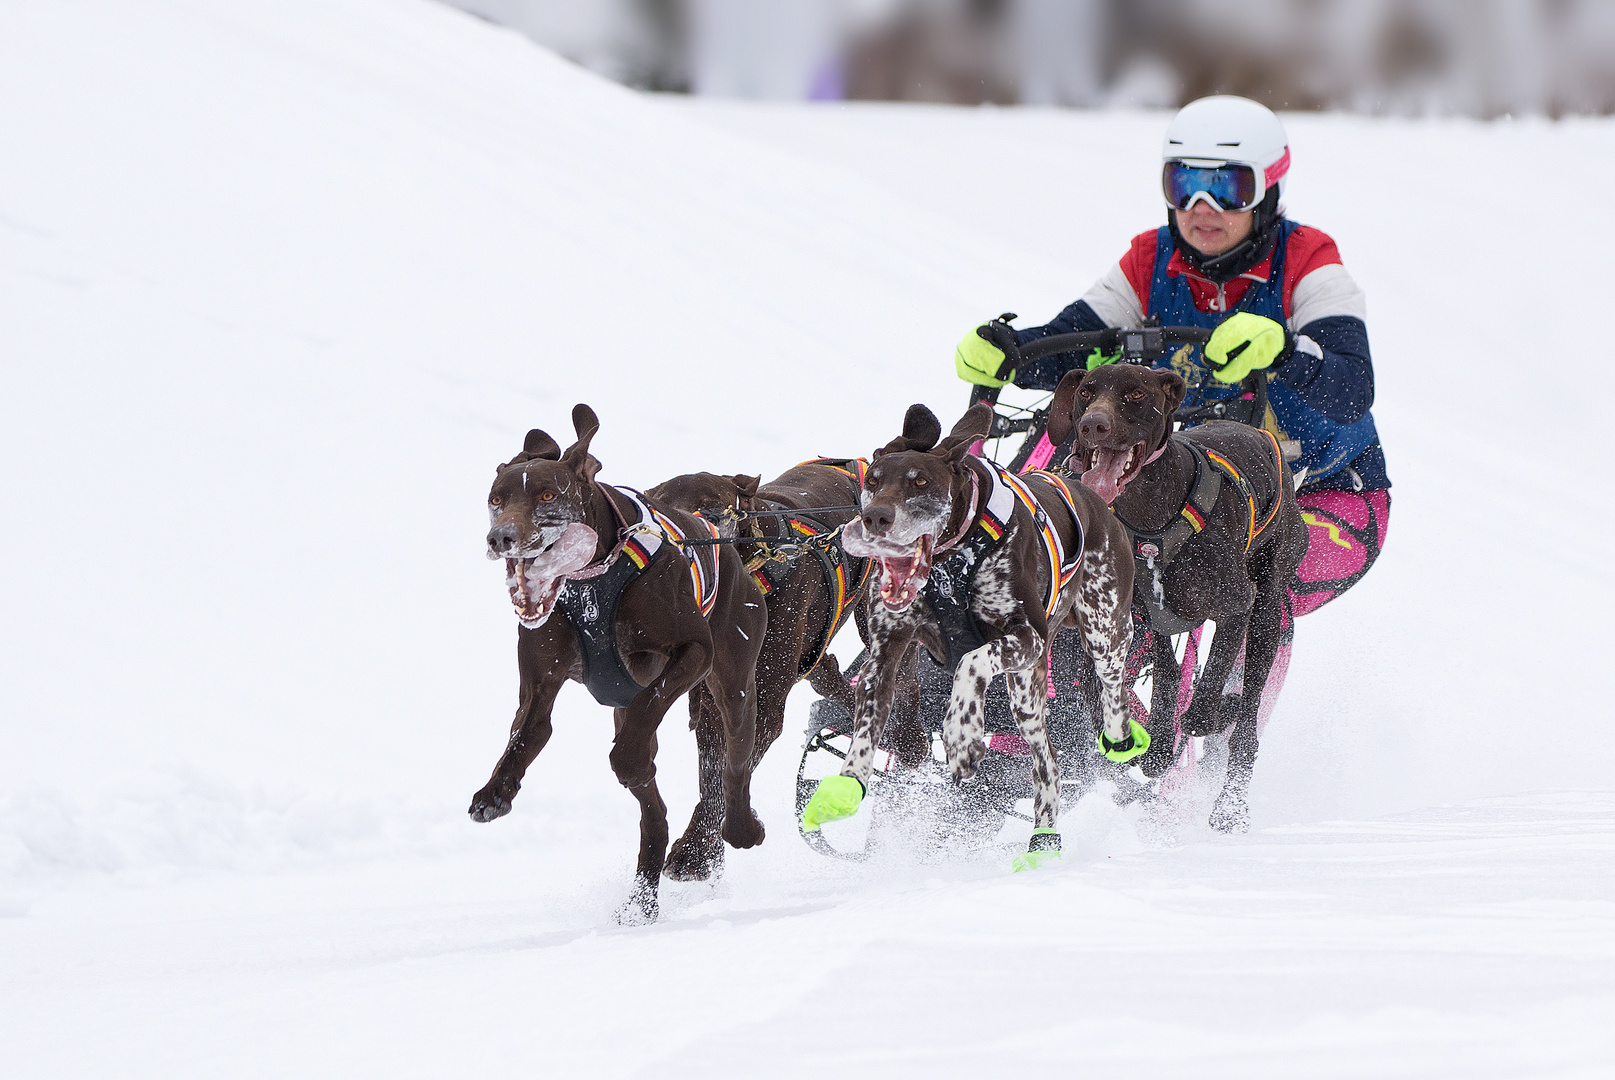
x,y
1230,150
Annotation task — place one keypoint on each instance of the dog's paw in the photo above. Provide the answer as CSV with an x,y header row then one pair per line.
x,y
910,744
742,829
492,801
699,859
1159,758
1210,715
1231,813
962,761
641,908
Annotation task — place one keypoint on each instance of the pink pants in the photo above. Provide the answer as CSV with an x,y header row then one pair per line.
x,y
1345,531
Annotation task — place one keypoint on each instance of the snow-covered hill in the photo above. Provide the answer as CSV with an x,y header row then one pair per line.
x,y
284,281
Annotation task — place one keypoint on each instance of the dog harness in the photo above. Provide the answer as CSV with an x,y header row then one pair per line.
x,y
589,599
949,588
844,575
1154,551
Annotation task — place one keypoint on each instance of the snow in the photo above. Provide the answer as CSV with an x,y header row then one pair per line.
x,y
283,282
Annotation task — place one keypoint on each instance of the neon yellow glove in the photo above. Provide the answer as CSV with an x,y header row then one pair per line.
x,y
1097,359
835,798
977,361
1243,343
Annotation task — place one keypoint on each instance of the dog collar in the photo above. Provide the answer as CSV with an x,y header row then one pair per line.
x,y
970,516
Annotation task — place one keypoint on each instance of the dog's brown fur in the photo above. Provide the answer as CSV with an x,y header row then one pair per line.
x,y
668,646
1214,576
800,608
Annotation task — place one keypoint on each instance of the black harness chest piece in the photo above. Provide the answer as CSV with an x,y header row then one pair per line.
x,y
590,606
948,592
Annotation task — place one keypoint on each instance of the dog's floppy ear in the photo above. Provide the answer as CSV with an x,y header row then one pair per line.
x,y
540,445
1061,421
921,428
747,485
920,431
1174,386
577,456
584,422
971,429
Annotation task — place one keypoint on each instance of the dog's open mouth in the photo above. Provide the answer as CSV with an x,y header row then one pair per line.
x,y
535,581
1107,472
902,575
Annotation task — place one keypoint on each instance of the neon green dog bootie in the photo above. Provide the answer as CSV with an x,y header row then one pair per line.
x,y
835,798
1041,850
1137,741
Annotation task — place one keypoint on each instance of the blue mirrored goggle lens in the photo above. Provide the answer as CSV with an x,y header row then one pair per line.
x,y
1231,187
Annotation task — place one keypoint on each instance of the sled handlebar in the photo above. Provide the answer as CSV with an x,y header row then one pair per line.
x,y
1138,345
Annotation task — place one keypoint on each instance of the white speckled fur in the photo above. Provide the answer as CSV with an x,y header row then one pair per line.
x,y
1093,600
1098,607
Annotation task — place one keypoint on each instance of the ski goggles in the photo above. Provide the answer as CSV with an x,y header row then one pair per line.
x,y
1230,187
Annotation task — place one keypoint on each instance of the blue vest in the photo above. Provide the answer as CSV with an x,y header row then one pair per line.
x,y
1326,447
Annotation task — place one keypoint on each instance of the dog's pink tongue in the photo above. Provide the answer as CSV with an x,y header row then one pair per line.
x,y
1105,478
901,577
571,551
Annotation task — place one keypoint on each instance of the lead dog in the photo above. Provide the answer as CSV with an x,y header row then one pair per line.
x,y
643,620
1217,535
980,567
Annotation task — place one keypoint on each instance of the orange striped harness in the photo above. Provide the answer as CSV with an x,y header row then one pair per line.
x,y
656,526
948,590
1244,487
844,575
1062,568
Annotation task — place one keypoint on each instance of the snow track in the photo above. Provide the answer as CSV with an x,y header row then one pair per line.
x,y
284,281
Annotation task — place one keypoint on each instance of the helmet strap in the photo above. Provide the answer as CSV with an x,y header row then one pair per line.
x,y
1242,256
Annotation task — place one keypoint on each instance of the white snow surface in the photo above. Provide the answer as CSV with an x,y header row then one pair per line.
x,y
284,281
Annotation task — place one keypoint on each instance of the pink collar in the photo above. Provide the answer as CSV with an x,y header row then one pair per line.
x,y
970,518
584,573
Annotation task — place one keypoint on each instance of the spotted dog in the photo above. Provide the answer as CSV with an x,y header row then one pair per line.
x,y
643,618
980,567
1215,533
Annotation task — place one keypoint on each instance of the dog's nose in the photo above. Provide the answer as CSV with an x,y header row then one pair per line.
x,y
1094,425
501,538
878,518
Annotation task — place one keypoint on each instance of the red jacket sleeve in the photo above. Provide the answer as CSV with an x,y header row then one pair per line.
x,y
1138,264
1307,250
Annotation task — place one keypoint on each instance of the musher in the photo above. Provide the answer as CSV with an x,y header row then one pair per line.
x,y
1277,299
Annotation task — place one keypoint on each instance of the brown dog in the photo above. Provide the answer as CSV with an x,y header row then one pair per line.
x,y
642,620
1217,535
981,567
811,594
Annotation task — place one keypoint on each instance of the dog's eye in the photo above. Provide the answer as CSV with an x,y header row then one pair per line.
x,y
1135,396
920,481
548,496
496,502
1085,394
